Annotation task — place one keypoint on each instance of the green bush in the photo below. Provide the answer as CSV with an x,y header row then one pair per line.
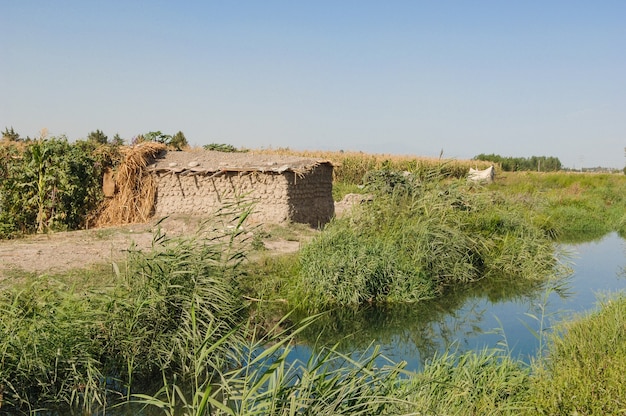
x,y
222,147
50,184
416,238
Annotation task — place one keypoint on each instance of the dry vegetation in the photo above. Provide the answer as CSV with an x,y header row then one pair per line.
x,y
350,167
134,200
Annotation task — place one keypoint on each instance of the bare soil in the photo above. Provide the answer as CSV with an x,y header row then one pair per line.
x,y
63,251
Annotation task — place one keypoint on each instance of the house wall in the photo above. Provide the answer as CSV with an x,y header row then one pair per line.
x,y
277,197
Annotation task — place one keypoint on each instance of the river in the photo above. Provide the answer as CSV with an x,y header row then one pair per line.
x,y
503,315
487,315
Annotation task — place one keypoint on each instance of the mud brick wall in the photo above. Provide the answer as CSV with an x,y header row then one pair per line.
x,y
277,197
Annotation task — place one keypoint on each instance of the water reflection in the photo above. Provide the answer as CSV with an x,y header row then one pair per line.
x,y
489,313
463,318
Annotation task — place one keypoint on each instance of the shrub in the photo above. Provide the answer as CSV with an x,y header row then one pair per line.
x,y
416,238
221,147
50,184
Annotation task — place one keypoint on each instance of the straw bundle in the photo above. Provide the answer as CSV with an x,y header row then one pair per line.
x,y
136,189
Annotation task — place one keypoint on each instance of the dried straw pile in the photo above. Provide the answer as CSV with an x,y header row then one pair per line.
x,y
135,188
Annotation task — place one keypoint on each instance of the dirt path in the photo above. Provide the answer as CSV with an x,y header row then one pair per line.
x,y
63,251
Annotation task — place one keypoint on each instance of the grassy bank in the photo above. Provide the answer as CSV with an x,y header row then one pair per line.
x,y
580,372
577,204
173,321
418,236
85,344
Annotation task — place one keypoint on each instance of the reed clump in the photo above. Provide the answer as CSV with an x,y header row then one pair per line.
x,y
583,372
418,236
487,382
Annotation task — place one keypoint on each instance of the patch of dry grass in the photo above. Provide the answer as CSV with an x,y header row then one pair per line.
x,y
351,166
135,188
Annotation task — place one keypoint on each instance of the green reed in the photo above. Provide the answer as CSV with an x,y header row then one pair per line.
x,y
418,236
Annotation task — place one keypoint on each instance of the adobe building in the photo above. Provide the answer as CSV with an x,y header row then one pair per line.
x,y
283,188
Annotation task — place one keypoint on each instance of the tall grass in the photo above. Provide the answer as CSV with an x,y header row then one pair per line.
x,y
587,205
351,166
583,372
59,346
269,383
488,382
47,353
417,237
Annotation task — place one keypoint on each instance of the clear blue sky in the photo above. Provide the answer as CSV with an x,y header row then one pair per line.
x,y
516,78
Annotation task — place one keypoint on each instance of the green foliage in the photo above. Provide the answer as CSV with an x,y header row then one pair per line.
x,y
513,164
416,238
49,184
98,137
117,140
179,141
10,135
583,372
47,353
388,181
328,383
60,346
472,383
574,203
222,147
157,136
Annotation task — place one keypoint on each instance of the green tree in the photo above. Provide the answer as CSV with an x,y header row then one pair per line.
x,y
179,141
10,135
117,140
157,136
511,164
98,137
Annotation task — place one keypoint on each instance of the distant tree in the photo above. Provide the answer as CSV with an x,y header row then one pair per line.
x,y
157,136
511,164
117,140
179,141
10,135
98,137
221,147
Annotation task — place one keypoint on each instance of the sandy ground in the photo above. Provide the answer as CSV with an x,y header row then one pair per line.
x,y
61,251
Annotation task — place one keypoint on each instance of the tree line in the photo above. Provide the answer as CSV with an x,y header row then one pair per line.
x,y
513,164
177,141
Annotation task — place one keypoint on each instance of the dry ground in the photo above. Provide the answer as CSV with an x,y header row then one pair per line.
x,y
62,251
57,252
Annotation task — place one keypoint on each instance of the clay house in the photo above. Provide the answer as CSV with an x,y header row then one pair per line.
x,y
283,189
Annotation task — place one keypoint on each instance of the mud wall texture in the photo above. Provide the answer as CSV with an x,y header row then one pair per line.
x,y
276,197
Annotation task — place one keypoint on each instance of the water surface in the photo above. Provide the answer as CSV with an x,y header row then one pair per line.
x,y
489,314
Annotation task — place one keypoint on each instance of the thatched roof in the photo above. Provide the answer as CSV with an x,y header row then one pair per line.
x,y
211,162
